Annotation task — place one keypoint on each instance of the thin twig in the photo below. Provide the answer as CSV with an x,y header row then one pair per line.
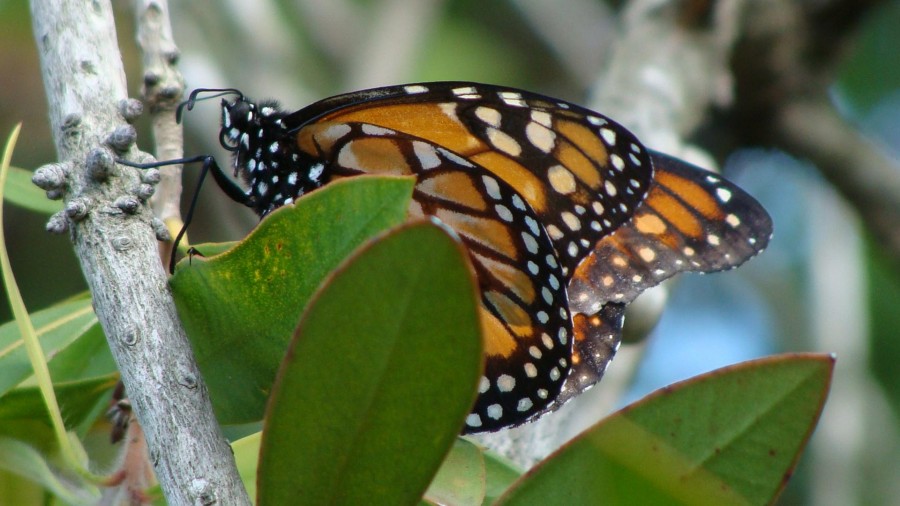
x,y
163,87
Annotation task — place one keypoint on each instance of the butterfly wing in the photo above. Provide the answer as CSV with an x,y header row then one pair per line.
x,y
581,173
691,220
547,196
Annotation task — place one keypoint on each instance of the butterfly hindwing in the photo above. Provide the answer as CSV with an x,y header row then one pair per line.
x,y
691,220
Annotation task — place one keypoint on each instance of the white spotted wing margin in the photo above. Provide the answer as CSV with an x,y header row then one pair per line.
x,y
597,338
691,220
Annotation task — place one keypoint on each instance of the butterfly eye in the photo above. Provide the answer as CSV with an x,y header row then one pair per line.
x,y
228,142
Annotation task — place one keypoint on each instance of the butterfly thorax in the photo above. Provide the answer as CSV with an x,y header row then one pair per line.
x,y
265,155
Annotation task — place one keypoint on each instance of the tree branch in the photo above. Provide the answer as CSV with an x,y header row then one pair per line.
x,y
113,233
784,65
163,88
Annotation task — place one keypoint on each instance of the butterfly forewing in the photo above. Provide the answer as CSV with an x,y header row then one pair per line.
x,y
580,172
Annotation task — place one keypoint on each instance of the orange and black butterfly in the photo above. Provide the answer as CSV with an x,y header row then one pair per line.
x,y
566,216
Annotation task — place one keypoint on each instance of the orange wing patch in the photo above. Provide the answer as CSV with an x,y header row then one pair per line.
x,y
584,139
517,281
497,339
516,318
689,191
484,231
456,186
433,122
675,212
516,175
374,155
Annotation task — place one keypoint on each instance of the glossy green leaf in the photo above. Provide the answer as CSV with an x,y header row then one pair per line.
x,y
379,378
732,436
246,456
19,458
57,327
240,308
20,191
461,479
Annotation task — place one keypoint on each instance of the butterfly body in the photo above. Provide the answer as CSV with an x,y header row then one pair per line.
x,y
566,216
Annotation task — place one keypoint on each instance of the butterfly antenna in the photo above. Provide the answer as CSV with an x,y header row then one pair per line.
x,y
195,97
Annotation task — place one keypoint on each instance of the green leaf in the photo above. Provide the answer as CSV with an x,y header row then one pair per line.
x,y
20,191
58,327
500,475
87,357
461,479
379,377
76,400
19,458
240,308
732,436
246,456
208,249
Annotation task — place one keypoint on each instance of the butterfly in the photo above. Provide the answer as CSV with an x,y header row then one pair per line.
x,y
565,215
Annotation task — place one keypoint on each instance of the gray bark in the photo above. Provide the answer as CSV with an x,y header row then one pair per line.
x,y
114,232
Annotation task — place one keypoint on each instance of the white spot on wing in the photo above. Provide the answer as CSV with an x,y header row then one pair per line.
x,y
518,203
492,187
489,116
530,243
335,132
610,188
540,136
315,172
503,142
427,155
505,383
532,225
504,213
609,135
464,91
369,129
541,117
524,404
414,89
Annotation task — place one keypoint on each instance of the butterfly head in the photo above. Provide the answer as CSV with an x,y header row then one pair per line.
x,y
265,153
247,126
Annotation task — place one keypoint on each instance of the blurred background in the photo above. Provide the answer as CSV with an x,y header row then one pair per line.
x,y
796,101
